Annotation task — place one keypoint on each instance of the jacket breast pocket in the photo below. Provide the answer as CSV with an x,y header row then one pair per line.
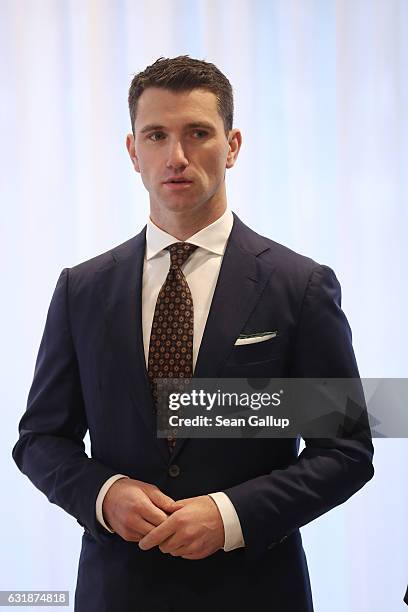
x,y
265,359
257,352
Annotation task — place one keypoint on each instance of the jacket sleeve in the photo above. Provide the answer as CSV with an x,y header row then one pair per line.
x,y
328,471
50,449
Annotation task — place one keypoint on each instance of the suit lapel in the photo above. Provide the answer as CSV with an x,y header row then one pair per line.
x,y
240,284
120,285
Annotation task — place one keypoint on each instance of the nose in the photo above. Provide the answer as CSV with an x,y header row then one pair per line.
x,y
176,157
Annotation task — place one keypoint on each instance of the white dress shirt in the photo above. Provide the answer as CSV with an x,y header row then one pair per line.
x,y
201,272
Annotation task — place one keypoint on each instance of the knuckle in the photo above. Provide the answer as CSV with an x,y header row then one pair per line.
x,y
179,521
189,533
134,506
198,548
126,535
193,550
150,487
128,521
126,526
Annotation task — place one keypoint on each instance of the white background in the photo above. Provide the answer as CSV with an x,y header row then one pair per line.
x,y
321,91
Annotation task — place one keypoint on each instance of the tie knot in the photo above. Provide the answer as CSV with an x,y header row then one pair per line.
x,y
179,253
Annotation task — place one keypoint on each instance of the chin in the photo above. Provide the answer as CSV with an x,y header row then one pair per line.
x,y
179,205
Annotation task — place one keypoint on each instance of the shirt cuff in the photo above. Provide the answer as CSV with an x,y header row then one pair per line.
x,y
101,496
232,526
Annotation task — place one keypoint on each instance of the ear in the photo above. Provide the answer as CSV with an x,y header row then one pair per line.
x,y
130,145
234,145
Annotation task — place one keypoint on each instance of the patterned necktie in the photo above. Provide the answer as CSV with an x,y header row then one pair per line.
x,y
171,338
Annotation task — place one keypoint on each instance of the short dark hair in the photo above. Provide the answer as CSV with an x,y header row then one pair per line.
x,y
184,73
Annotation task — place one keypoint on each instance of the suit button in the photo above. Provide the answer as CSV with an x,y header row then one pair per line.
x,y
174,470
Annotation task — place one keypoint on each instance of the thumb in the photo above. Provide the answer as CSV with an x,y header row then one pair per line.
x,y
185,501
178,504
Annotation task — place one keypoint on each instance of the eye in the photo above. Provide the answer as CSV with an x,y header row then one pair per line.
x,y
155,136
200,134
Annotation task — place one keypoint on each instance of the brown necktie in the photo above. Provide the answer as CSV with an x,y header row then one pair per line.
x,y
171,338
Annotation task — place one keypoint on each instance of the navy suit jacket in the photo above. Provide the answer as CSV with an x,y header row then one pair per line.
x,y
91,375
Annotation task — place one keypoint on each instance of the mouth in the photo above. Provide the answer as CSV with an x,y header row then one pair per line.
x,y
177,183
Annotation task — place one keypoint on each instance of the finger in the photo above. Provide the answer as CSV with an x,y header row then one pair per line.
x,y
158,535
194,556
163,501
179,552
135,537
185,500
143,527
172,544
130,535
178,505
150,512
186,552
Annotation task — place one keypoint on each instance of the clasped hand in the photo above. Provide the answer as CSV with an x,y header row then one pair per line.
x,y
190,528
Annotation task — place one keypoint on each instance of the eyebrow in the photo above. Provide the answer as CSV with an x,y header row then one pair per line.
x,y
151,127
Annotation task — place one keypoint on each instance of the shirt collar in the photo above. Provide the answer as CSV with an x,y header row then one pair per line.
x,y
212,238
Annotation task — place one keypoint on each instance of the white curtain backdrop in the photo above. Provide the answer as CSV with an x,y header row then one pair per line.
x,y
321,91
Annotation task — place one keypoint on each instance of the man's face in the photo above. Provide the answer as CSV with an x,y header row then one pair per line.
x,y
181,150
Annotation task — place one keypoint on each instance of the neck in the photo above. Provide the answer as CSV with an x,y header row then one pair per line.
x,y
184,224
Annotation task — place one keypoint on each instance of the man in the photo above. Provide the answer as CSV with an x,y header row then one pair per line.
x,y
177,524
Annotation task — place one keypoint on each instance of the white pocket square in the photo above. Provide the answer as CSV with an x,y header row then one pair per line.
x,y
252,338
